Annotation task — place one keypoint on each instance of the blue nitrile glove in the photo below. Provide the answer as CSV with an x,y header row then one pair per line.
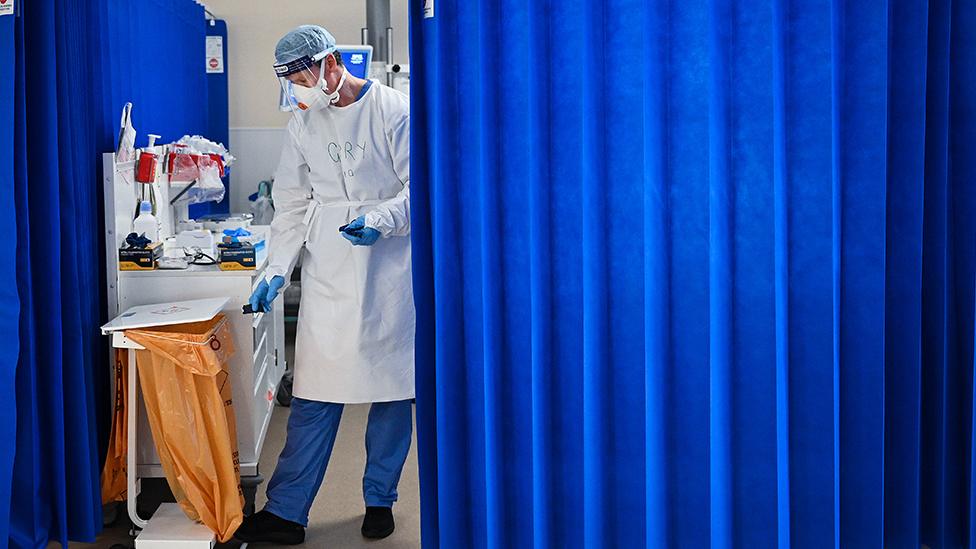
x,y
234,235
265,293
359,234
237,232
137,241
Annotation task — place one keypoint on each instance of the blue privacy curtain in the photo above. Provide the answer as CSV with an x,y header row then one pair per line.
x,y
218,117
9,312
152,53
66,69
695,273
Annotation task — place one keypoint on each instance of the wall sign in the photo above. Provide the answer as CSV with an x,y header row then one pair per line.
x,y
215,54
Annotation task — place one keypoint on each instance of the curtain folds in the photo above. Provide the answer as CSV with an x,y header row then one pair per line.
x,y
695,274
66,69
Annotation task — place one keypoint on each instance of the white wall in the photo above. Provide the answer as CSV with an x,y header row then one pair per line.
x,y
257,151
253,29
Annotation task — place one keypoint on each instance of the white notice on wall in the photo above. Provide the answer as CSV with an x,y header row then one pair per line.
x,y
6,7
215,54
428,9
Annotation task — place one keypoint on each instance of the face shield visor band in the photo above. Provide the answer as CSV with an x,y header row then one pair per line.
x,y
304,62
298,65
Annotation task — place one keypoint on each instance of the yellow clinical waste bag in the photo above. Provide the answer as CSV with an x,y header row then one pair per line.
x,y
114,486
186,388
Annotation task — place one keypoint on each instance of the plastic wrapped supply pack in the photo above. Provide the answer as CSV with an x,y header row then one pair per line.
x,y
201,162
206,146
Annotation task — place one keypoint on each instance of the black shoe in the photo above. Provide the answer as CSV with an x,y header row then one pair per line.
x,y
268,527
378,522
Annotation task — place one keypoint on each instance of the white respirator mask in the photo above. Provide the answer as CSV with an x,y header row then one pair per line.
x,y
309,98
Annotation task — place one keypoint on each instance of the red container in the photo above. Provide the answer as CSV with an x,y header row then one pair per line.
x,y
147,168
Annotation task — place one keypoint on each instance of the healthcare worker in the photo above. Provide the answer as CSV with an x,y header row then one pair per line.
x,y
345,163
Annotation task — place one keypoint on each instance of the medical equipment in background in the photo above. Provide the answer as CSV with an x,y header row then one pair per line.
x,y
401,78
358,60
256,369
395,75
378,34
262,205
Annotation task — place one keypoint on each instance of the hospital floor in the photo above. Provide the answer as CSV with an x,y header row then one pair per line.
x,y
337,513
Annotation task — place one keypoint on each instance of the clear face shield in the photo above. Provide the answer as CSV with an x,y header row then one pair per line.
x,y
303,85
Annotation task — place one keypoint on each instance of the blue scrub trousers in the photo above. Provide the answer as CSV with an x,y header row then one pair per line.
x,y
312,428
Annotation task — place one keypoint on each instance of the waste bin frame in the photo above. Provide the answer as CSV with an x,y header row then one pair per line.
x,y
119,341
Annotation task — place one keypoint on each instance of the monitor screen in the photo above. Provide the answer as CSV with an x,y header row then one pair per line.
x,y
356,59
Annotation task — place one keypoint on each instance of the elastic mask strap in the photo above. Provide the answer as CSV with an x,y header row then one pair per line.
x,y
334,96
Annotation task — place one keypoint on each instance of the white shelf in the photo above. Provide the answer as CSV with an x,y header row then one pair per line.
x,y
194,271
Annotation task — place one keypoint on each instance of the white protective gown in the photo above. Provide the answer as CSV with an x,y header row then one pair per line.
x,y
355,338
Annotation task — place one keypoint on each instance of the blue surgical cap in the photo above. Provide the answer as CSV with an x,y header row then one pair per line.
x,y
305,41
